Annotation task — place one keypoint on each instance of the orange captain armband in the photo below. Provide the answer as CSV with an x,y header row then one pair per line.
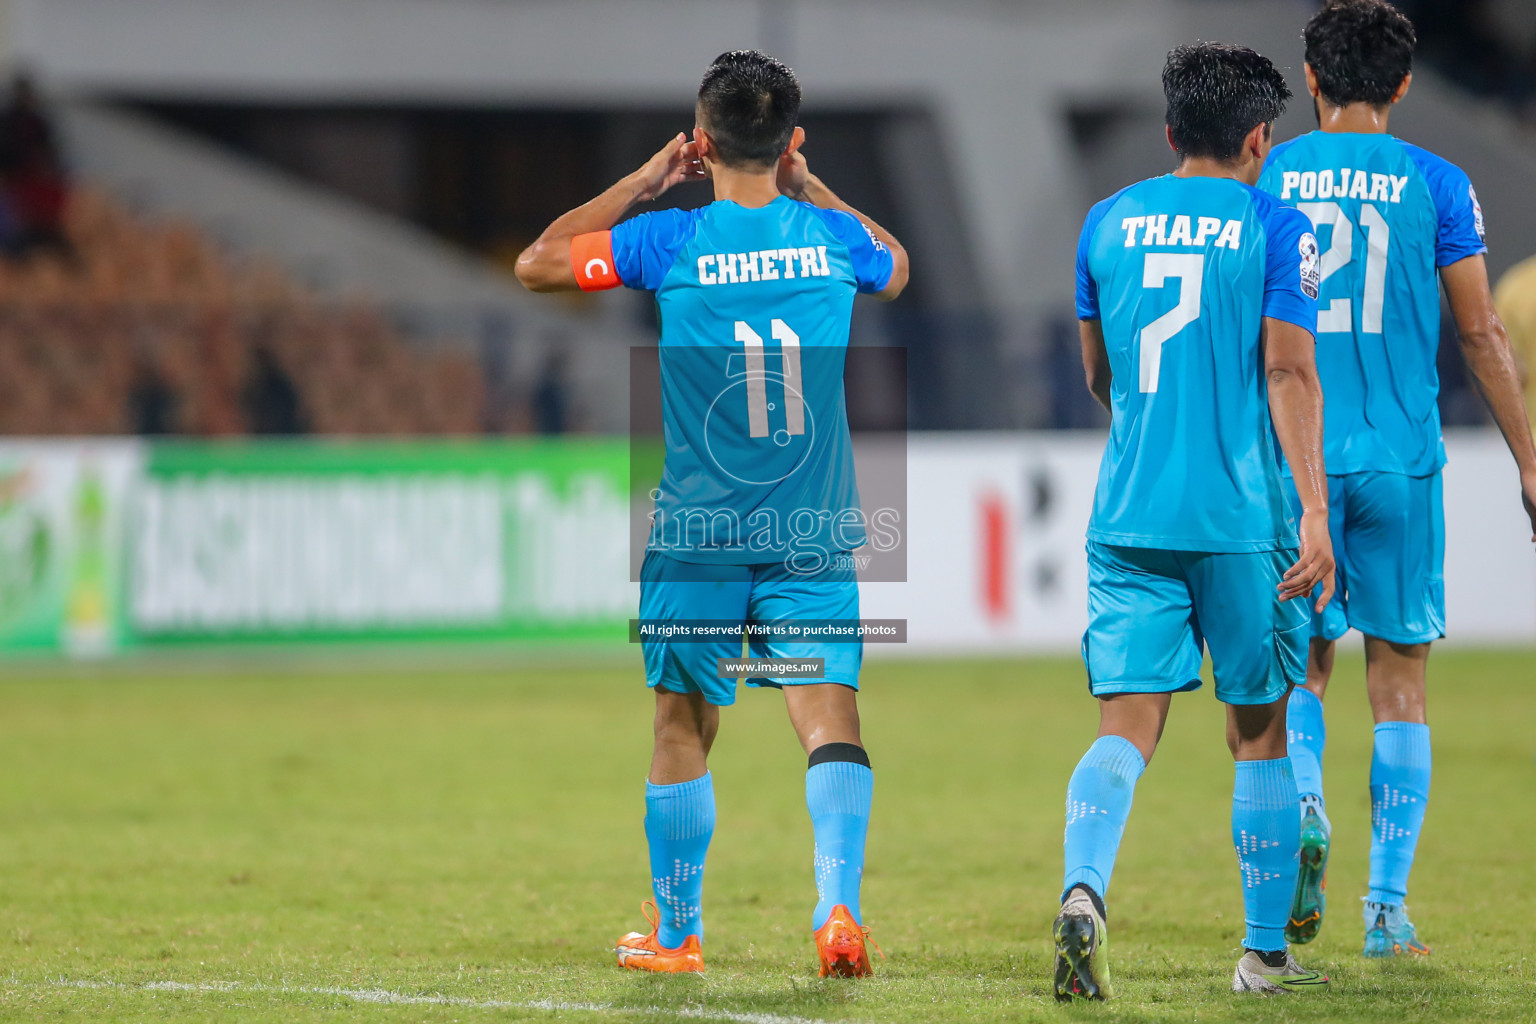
x,y
592,261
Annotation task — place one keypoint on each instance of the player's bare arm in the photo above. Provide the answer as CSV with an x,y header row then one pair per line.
x,y
1485,346
545,266
1095,360
1296,407
796,181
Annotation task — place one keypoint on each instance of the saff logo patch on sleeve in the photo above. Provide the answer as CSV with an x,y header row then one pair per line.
x,y
1311,278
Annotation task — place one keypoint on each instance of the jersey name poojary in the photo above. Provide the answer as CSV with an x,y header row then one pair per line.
x,y
1349,184
1155,229
763,265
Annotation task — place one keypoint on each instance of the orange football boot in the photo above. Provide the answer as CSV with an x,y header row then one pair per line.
x,y
646,953
840,945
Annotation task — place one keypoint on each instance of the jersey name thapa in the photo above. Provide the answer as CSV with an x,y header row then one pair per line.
x,y
1388,215
1181,272
755,308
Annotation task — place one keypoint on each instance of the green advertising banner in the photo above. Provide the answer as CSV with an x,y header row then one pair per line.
x,y
62,515
187,543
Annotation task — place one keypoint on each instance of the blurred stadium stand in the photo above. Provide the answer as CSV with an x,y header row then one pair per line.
x,y
379,158
141,327
1485,46
438,302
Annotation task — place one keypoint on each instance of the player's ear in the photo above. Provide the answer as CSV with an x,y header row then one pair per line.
x,y
1311,81
796,140
703,143
1168,132
1256,144
1402,88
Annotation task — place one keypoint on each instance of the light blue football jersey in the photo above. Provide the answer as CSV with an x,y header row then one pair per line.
x,y
755,308
1181,273
1388,215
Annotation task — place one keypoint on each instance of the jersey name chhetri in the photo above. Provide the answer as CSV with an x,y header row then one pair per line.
x,y
1180,272
765,265
755,309
1388,215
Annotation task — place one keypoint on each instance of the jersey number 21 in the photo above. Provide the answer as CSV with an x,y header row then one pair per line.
x,y
1338,316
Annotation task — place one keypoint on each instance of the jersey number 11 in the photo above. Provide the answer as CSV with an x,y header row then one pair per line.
x,y
757,378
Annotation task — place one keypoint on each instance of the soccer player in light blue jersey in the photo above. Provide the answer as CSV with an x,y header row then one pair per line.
x,y
758,508
1196,294
1391,218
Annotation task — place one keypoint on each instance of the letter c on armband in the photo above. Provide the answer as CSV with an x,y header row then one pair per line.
x,y
592,261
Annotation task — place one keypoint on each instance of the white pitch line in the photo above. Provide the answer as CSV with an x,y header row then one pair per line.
x,y
384,997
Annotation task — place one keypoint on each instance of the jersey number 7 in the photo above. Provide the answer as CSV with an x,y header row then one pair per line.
x,y
1189,268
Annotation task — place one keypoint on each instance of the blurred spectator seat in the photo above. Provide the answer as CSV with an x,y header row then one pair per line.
x,y
130,326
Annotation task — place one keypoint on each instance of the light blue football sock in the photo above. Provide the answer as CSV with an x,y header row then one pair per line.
x,y
1098,804
679,821
1305,735
1266,831
1400,766
839,794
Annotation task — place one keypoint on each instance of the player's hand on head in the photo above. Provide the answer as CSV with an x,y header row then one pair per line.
x,y
793,172
1315,564
676,162
691,166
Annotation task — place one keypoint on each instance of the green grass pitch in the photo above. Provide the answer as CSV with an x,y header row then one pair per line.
x,y
466,844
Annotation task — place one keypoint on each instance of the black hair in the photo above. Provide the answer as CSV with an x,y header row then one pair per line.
x,y
1360,51
1216,95
749,103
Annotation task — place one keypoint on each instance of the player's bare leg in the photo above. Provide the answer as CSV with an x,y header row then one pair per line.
x,y
1307,734
679,821
1319,666
1137,717
1395,677
823,713
1256,732
1400,771
839,788
1098,803
685,727
1265,832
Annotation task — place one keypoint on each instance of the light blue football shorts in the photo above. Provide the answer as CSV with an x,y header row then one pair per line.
x,y
671,590
1389,542
1152,613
